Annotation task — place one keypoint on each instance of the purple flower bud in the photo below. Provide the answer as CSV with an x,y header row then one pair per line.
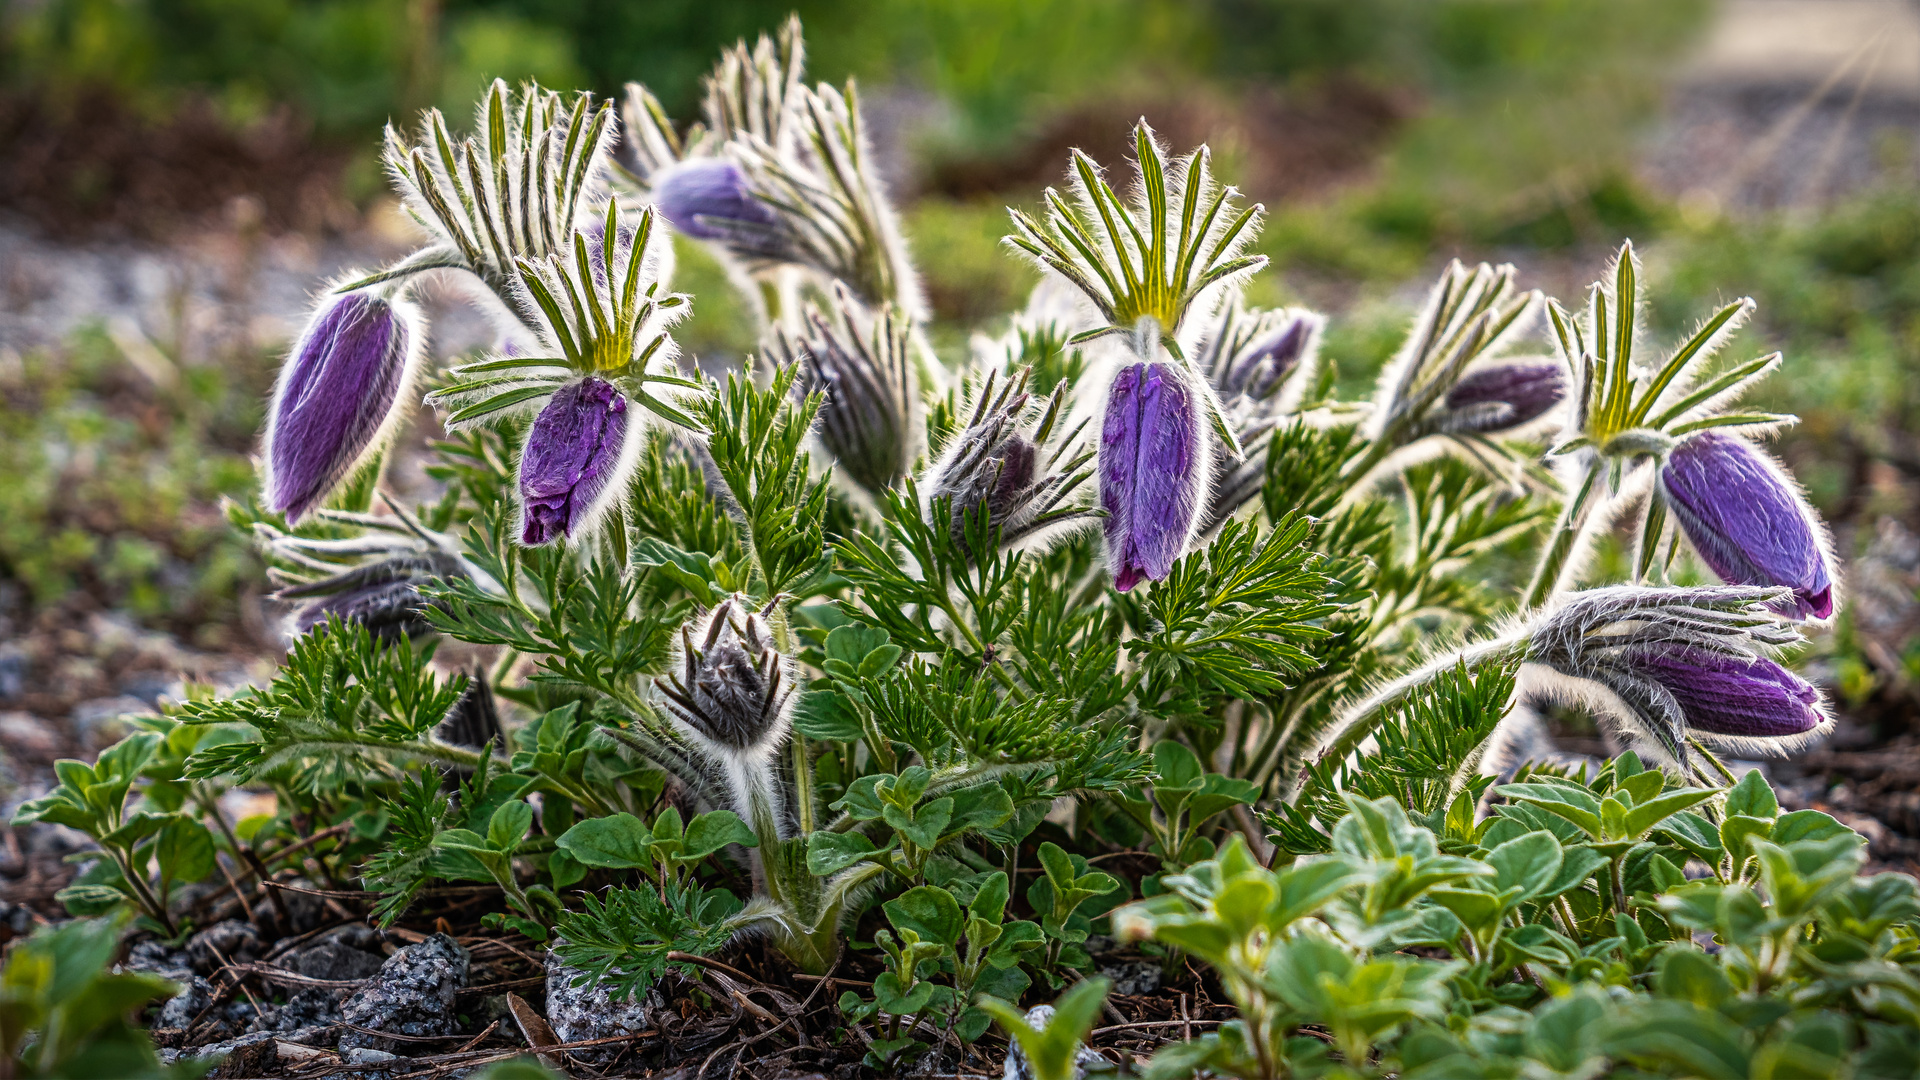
x,y
992,464
1502,397
1735,696
390,610
1746,520
1258,368
573,451
1152,468
335,394
384,595
708,199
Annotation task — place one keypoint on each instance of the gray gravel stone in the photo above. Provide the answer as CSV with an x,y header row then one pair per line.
x,y
579,1013
412,994
1085,1059
1133,977
234,939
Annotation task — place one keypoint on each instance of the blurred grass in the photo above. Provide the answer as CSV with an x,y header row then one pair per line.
x,y
110,494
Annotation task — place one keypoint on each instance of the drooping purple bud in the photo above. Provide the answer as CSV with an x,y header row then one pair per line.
x,y
1152,470
390,610
573,451
1752,698
383,596
708,199
859,359
334,396
1502,397
1258,368
992,465
1746,520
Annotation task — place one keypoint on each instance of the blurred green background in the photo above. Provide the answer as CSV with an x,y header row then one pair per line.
x,y
1384,136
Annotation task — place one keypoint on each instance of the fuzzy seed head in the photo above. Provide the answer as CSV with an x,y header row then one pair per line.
x,y
731,687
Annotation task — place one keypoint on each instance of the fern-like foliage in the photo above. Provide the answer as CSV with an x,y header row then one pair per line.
x,y
339,710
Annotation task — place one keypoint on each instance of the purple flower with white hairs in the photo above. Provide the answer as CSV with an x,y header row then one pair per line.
x,y
1259,363
1678,663
1153,462
334,397
1747,521
709,199
574,451
1752,698
1501,397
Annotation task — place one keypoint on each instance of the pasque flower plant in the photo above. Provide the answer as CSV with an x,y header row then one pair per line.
x,y
829,640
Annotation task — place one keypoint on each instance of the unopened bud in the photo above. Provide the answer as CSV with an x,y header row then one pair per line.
x,y
709,199
1153,471
1747,521
334,396
991,464
574,451
1501,397
733,688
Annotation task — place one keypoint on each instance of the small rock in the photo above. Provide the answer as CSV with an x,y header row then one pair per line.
x,y
97,722
233,939
1135,977
412,994
1018,1067
167,963
308,1007
307,910
25,733
13,672
579,1013
361,1055
248,1055
337,961
184,1008
16,921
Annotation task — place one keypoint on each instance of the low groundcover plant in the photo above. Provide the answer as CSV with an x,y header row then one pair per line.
x,y
948,671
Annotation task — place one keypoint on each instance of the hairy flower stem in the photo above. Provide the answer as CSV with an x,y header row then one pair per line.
x,y
1566,532
1364,719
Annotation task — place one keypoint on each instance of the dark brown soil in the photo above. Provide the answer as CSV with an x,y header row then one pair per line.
x,y
1282,143
90,165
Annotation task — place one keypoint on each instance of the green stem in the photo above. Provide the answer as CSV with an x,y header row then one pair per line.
x,y
1725,773
1573,521
142,892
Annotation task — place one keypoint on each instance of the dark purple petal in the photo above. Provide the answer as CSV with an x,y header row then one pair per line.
x,y
703,196
1726,695
1150,472
1746,522
572,451
335,393
1527,390
390,610
1259,368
